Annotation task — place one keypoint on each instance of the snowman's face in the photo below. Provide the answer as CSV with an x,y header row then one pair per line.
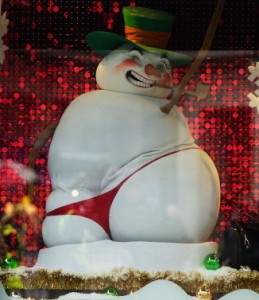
x,y
130,70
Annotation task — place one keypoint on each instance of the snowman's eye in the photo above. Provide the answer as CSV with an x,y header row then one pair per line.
x,y
162,66
136,55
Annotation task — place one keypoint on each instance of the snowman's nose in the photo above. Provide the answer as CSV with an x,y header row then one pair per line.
x,y
151,70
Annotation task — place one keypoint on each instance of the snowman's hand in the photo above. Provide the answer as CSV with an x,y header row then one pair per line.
x,y
201,91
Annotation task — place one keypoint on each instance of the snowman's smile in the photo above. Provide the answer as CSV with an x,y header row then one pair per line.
x,y
138,80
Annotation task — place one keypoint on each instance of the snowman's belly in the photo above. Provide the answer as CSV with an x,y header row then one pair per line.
x,y
175,199
102,131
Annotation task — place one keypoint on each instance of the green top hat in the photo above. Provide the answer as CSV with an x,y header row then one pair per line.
x,y
146,29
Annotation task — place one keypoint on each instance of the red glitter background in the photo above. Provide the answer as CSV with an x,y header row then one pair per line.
x,y
48,64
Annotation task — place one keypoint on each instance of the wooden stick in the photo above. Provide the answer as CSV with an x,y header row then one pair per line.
x,y
199,58
42,139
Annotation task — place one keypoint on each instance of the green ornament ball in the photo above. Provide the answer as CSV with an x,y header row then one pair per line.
x,y
12,263
111,292
6,263
3,264
211,261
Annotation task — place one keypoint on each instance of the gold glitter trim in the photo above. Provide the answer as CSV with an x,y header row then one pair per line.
x,y
130,280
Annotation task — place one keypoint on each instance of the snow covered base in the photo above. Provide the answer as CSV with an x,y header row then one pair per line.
x,y
103,256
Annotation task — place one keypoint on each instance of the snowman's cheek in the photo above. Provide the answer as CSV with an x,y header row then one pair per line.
x,y
126,64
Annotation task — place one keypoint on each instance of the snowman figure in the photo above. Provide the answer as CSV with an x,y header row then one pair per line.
x,y
120,168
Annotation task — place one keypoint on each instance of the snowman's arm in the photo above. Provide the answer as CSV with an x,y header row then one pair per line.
x,y
199,58
41,140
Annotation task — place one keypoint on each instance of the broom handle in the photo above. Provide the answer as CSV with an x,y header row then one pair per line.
x,y
199,58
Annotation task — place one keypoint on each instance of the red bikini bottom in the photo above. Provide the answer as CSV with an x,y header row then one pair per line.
x,y
98,207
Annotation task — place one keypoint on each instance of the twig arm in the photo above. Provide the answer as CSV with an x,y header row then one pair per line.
x,y
199,58
42,139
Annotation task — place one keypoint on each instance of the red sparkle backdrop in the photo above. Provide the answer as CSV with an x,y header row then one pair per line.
x,y
48,64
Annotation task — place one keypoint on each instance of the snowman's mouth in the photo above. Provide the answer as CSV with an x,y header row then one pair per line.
x,y
138,80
